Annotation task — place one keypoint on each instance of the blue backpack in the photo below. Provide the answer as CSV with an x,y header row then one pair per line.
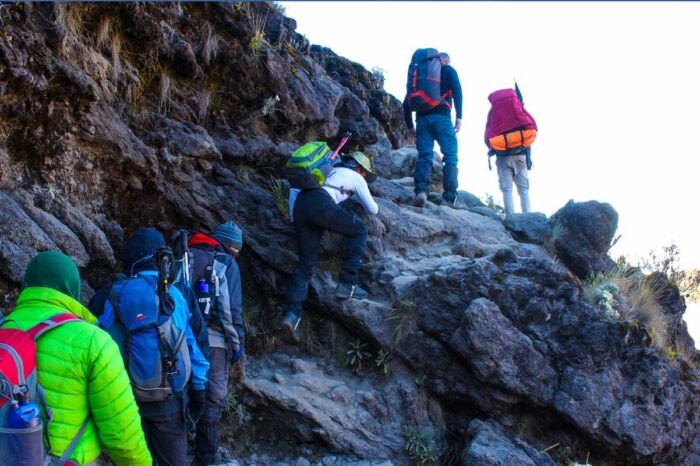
x,y
423,81
154,350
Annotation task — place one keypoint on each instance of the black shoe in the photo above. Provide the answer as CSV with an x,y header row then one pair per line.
x,y
345,291
290,322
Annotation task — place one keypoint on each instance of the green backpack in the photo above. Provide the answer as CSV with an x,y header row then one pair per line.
x,y
309,165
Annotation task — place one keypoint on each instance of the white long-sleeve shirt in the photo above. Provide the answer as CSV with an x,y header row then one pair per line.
x,y
341,184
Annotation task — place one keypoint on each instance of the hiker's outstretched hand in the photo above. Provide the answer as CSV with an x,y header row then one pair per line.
x,y
458,125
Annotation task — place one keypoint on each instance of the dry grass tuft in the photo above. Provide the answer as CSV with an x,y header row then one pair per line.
x,y
164,94
203,100
116,48
279,191
209,48
404,316
625,294
103,32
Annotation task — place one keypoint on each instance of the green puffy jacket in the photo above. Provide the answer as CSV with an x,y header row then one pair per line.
x,y
82,372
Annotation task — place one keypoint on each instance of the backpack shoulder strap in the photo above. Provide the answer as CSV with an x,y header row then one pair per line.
x,y
65,457
51,323
337,188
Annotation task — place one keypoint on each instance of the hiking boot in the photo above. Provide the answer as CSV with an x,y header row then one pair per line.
x,y
345,291
290,322
421,198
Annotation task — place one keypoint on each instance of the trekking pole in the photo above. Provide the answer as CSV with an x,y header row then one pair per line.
x,y
346,136
182,253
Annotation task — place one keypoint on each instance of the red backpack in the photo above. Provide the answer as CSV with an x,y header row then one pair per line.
x,y
510,129
18,381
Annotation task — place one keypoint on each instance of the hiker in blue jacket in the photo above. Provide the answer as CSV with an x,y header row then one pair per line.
x,y
164,422
436,125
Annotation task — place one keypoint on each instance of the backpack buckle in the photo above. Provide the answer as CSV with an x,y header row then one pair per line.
x,y
172,368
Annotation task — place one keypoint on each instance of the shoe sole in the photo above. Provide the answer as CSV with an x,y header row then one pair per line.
x,y
420,203
350,297
290,333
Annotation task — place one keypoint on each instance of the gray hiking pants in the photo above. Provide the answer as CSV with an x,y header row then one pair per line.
x,y
513,169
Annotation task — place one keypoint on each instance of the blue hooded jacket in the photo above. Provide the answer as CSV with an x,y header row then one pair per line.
x,y
138,257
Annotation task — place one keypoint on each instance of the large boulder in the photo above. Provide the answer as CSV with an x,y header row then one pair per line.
x,y
582,234
492,446
530,227
401,163
350,413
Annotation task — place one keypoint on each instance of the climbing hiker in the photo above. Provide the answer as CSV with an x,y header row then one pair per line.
x,y
317,210
216,282
149,320
510,132
432,87
78,366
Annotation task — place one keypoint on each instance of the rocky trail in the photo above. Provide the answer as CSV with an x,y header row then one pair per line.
x,y
480,344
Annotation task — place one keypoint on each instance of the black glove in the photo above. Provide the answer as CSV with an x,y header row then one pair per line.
x,y
198,399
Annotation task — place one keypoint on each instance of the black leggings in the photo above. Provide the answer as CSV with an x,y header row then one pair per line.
x,y
315,211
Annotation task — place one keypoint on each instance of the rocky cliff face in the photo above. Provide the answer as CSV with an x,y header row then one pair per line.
x,y
478,345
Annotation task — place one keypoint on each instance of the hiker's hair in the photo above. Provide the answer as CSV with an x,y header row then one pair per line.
x,y
444,58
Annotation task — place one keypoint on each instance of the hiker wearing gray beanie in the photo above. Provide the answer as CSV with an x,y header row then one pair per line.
x,y
216,281
229,235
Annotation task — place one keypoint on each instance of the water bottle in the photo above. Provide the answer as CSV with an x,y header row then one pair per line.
x,y
203,287
23,414
203,297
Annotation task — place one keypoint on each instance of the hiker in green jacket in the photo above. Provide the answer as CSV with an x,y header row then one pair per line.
x,y
80,369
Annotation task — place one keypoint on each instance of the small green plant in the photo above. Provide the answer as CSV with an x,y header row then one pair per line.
x,y
52,191
420,447
379,74
257,42
421,380
493,204
279,191
631,297
382,361
245,174
671,355
356,355
403,314
235,411
269,105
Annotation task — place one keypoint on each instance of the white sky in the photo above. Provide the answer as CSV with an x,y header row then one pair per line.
x,y
615,89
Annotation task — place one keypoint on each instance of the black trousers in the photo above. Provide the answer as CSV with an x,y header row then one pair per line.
x,y
315,211
166,437
206,442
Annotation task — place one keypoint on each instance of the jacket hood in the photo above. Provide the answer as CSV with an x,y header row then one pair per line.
x,y
55,270
36,304
199,239
138,254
